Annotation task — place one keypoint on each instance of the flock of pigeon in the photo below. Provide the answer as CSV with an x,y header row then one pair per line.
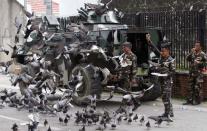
x,y
88,116
40,94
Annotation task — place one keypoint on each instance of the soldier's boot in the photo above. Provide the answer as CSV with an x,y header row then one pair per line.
x,y
196,103
190,98
197,100
166,116
168,110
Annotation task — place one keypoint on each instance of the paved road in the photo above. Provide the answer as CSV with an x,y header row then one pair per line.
x,y
187,118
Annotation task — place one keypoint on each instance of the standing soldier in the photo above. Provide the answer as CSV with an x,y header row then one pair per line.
x,y
167,66
197,59
128,62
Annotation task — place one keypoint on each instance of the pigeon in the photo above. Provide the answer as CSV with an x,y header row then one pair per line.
x,y
68,116
53,91
135,118
129,120
49,129
125,118
119,119
113,126
158,122
121,110
84,120
32,126
77,114
191,8
103,122
130,114
82,129
142,120
65,109
66,120
148,125
14,127
60,119
100,128
93,103
45,122
6,52
89,121
3,98
95,118
77,121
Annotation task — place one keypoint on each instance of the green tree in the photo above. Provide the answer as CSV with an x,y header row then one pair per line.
x,y
143,5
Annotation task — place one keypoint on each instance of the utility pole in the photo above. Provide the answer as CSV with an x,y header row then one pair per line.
x,y
48,4
25,4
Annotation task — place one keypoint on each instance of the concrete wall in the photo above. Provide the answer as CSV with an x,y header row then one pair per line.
x,y
9,9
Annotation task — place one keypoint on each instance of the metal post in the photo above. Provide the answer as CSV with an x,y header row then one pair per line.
x,y
25,4
48,4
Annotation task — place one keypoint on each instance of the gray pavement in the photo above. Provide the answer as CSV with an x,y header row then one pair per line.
x,y
187,118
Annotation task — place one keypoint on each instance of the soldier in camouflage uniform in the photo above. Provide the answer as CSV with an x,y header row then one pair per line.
x,y
167,66
197,59
128,62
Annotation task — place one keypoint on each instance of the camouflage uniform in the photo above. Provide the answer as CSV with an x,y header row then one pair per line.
x,y
167,67
126,75
128,69
196,76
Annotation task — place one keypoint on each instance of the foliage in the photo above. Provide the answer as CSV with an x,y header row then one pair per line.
x,y
143,5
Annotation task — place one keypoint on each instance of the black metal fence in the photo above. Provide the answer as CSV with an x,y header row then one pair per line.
x,y
182,28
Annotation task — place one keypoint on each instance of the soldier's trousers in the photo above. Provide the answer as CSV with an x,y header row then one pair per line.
x,y
195,89
166,87
125,82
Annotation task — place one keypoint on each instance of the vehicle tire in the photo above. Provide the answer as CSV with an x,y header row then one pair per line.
x,y
91,84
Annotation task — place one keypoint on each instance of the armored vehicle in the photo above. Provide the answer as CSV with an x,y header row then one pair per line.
x,y
85,54
98,53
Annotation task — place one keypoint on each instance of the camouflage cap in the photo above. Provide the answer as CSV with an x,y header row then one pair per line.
x,y
127,44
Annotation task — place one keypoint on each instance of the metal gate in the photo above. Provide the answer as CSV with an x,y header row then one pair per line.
x,y
182,28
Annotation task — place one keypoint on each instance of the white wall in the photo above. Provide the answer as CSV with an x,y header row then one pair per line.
x,y
21,1
9,9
